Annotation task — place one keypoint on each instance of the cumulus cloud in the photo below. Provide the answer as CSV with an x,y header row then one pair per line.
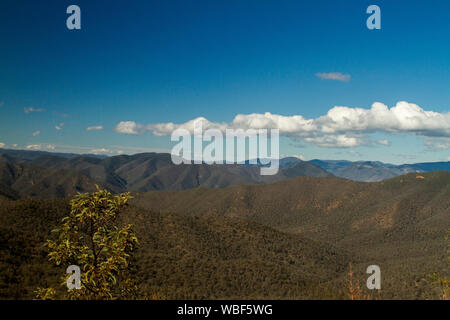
x,y
403,117
334,76
94,128
100,151
341,127
129,127
339,141
31,109
36,147
36,133
59,127
2,145
105,151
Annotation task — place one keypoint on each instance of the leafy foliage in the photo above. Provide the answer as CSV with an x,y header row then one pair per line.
x,y
89,238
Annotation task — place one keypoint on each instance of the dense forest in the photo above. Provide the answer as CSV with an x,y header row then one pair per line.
x,y
289,240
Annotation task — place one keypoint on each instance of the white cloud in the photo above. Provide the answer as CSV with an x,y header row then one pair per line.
x,y
2,145
106,151
34,147
340,127
384,142
299,156
31,109
59,127
437,143
36,133
134,150
94,128
129,127
40,147
403,117
334,76
338,141
100,151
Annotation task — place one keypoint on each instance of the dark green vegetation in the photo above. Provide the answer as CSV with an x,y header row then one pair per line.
x,y
178,256
289,239
23,180
398,224
90,238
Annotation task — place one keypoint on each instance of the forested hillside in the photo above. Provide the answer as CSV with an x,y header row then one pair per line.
x,y
45,176
289,239
178,257
399,224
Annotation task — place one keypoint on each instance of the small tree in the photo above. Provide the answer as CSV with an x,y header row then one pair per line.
x,y
90,239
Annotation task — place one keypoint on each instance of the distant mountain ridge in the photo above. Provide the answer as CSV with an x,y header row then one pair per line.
x,y
364,171
33,154
26,180
140,172
46,175
370,171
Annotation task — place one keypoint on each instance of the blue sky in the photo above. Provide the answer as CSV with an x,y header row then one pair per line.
x,y
169,61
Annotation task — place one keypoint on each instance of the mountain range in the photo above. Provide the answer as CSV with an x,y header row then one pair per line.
x,y
366,171
370,171
45,175
225,231
48,175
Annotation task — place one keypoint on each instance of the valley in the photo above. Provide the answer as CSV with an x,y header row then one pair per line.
x,y
224,232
